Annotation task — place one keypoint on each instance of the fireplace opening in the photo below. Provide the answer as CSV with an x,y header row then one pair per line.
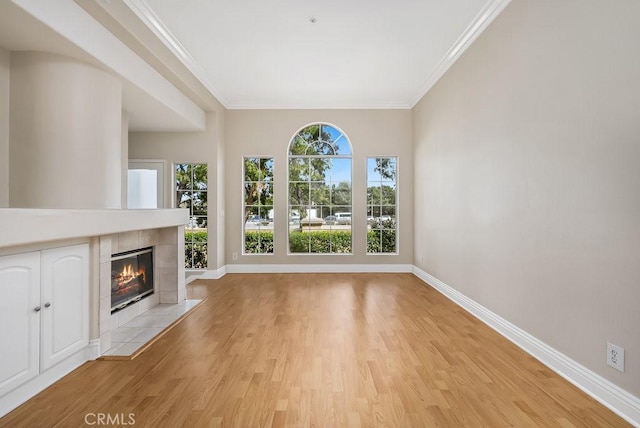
x,y
131,277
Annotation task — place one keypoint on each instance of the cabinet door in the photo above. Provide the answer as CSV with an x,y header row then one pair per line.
x,y
65,303
19,319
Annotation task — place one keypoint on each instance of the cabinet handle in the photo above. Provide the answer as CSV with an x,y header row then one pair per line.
x,y
46,305
37,309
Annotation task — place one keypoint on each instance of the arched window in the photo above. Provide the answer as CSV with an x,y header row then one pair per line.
x,y
320,191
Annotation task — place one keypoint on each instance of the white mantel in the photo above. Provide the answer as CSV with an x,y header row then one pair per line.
x,y
27,226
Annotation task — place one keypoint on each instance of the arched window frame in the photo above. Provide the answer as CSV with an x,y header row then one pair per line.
x,y
320,189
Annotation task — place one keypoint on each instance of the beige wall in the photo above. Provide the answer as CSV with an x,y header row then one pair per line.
x,y
189,147
268,132
65,133
5,67
527,180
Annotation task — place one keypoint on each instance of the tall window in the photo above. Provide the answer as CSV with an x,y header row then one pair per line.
x,y
381,205
191,193
258,206
320,191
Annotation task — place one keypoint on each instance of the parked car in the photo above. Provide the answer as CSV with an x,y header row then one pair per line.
x,y
330,219
343,218
256,219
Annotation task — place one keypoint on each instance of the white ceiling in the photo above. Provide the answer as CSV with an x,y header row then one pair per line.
x,y
252,53
267,54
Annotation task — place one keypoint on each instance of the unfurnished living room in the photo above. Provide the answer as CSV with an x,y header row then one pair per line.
x,y
296,214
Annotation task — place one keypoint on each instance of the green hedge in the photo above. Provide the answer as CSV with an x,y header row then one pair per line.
x,y
321,241
195,249
381,241
258,242
195,236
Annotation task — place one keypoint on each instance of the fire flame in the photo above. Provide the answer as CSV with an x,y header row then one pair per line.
x,y
128,273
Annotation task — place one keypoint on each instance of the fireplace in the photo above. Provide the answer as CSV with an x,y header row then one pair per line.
x,y
131,277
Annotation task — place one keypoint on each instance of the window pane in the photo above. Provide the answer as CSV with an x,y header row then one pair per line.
x,y
184,179
199,201
298,169
265,193
251,169
250,193
299,194
199,255
298,242
341,194
388,194
184,201
266,166
199,176
387,168
341,170
372,172
319,193
318,168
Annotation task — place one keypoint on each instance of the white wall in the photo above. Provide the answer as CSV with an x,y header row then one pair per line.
x,y
65,133
267,133
188,147
5,67
527,183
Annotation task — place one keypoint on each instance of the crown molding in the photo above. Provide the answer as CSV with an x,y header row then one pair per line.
x,y
390,106
143,11
491,10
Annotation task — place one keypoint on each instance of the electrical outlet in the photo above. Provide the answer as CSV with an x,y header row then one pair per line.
x,y
234,256
615,356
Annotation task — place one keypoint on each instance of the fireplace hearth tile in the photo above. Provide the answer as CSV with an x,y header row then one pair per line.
x,y
131,339
123,335
146,334
147,321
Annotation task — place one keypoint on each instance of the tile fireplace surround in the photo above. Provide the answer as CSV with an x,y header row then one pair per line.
x,y
168,273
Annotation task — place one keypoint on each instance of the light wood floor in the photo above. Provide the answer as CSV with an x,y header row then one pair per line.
x,y
320,350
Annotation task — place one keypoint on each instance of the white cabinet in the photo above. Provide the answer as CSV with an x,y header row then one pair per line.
x,y
65,303
44,311
19,322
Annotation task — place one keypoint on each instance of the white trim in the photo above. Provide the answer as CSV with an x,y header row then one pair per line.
x,y
92,351
210,274
491,10
317,268
389,106
610,395
155,24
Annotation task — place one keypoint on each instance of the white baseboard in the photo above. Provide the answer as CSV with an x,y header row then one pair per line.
x,y
610,395
92,351
299,268
209,274
318,268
